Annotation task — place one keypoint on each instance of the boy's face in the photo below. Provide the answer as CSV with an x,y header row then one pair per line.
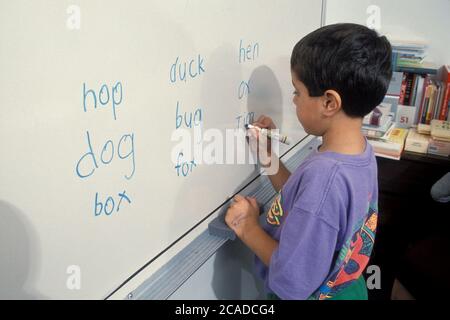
x,y
308,108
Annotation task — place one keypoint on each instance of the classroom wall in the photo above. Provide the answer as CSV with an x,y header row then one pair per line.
x,y
401,19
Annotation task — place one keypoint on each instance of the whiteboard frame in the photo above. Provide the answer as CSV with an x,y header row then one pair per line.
x,y
323,17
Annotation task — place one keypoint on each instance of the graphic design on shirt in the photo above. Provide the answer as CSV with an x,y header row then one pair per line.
x,y
352,259
276,211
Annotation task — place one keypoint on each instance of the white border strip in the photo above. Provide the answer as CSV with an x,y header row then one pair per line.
x,y
323,17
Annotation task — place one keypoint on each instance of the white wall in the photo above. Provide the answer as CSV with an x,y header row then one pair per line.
x,y
402,19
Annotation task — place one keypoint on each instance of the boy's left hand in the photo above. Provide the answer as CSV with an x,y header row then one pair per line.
x,y
242,215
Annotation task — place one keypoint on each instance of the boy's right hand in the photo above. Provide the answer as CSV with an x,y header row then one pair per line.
x,y
264,122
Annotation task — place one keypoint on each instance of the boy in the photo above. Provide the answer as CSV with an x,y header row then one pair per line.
x,y
319,233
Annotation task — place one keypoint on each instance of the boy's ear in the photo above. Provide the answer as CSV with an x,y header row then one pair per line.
x,y
332,103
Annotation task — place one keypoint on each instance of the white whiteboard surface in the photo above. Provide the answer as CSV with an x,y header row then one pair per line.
x,y
413,20
49,230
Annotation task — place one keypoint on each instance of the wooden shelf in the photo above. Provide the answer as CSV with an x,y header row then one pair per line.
x,y
426,158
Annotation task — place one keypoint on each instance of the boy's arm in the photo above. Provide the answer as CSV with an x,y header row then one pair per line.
x,y
279,178
260,243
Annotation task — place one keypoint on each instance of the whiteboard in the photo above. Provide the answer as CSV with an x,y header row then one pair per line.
x,y
89,101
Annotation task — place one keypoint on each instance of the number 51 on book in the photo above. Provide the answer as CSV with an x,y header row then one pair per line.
x,y
405,116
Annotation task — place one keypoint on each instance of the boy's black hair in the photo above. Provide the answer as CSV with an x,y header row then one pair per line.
x,y
348,58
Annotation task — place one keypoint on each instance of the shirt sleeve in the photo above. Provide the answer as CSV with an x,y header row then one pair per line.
x,y
304,256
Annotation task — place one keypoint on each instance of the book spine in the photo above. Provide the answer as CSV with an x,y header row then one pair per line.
x,y
426,102
444,108
408,89
437,147
372,133
448,111
422,99
416,79
438,101
403,89
416,142
431,104
419,98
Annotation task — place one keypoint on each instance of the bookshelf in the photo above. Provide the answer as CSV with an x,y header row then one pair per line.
x,y
429,70
417,101
408,215
425,158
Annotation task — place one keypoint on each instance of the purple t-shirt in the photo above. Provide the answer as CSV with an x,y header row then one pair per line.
x,y
325,220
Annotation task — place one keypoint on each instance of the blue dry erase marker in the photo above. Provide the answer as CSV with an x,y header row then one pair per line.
x,y
270,134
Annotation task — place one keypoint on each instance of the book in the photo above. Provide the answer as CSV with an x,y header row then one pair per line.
x,y
422,71
410,57
398,136
416,142
409,52
424,128
409,88
440,130
393,146
439,99
424,68
425,100
438,147
431,103
418,97
416,79
377,132
378,117
383,112
445,105
403,88
385,150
